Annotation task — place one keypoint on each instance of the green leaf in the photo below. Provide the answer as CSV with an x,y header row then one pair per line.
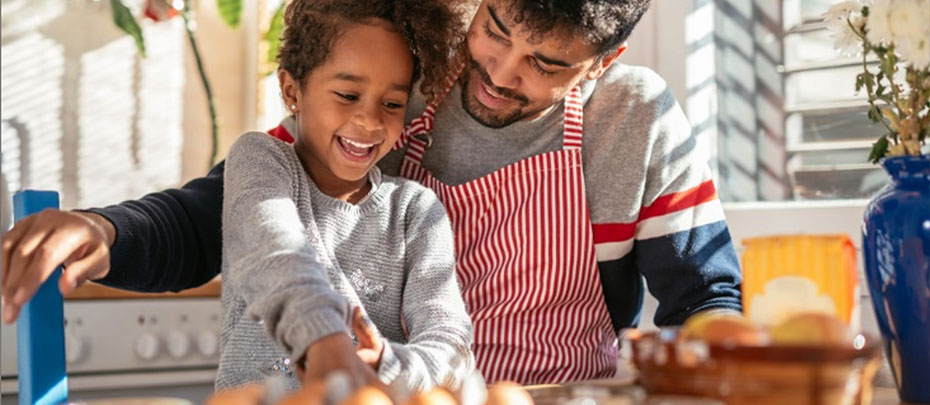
x,y
865,11
859,82
230,11
273,36
879,90
879,149
123,19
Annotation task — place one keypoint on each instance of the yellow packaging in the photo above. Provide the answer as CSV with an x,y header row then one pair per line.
x,y
783,275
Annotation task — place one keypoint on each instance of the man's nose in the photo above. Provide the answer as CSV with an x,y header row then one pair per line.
x,y
504,71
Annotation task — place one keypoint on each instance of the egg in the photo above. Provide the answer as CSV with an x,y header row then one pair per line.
x,y
247,395
435,396
312,393
812,329
368,396
508,393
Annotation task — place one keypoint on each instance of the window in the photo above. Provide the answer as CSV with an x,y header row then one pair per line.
x,y
787,123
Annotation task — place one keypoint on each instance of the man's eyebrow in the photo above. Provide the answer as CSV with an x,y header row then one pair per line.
x,y
550,61
497,20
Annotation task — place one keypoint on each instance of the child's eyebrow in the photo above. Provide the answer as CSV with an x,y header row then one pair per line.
x,y
361,80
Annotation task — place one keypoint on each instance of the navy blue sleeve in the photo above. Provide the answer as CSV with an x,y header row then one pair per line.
x,y
169,240
690,271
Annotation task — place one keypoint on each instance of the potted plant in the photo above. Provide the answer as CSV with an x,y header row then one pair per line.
x,y
160,10
893,39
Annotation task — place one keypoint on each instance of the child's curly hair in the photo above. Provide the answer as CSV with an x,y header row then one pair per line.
x,y
433,28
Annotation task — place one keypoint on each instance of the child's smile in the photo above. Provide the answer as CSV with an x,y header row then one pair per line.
x,y
357,150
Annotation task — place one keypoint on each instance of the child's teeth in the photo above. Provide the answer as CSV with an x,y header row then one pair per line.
x,y
357,144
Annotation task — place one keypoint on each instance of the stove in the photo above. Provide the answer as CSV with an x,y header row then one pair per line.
x,y
132,347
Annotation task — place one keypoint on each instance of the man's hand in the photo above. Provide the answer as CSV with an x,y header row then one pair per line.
x,y
336,352
370,346
39,243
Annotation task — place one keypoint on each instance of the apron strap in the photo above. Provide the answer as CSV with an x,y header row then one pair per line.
x,y
424,123
573,119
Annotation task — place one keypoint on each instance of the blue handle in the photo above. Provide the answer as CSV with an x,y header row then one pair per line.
x,y
40,330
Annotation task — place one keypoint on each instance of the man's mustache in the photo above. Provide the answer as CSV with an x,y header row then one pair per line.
x,y
486,79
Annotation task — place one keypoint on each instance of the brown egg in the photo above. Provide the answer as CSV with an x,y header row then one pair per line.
x,y
247,395
724,329
508,393
310,394
368,396
435,396
812,329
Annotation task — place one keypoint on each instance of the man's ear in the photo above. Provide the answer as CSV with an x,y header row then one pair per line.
x,y
605,63
290,91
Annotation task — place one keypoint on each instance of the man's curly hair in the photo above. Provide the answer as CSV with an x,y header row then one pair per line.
x,y
434,29
605,24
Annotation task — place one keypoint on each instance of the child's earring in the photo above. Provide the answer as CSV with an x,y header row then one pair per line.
x,y
294,107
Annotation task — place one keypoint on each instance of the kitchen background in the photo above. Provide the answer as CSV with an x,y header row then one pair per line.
x,y
83,113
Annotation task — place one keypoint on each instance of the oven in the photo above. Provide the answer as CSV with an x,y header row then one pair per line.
x,y
123,344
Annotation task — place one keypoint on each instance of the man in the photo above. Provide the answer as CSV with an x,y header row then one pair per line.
x,y
568,178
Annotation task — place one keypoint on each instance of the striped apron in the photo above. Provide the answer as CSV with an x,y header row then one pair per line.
x,y
525,260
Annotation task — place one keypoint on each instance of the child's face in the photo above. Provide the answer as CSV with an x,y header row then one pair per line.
x,y
351,108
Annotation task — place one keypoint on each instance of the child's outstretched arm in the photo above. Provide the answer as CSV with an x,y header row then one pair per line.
x,y
438,351
270,262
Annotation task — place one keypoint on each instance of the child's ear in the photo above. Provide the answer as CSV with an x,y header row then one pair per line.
x,y
290,91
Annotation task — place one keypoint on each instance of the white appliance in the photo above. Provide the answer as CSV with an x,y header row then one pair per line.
x,y
132,347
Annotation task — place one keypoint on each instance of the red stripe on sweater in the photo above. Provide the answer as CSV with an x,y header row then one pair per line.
x,y
673,202
604,233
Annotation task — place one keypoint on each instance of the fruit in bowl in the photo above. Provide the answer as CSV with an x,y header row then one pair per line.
x,y
812,329
723,328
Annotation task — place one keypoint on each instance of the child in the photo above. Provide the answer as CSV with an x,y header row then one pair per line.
x,y
313,230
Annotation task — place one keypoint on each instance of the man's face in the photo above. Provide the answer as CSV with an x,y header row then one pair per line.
x,y
512,75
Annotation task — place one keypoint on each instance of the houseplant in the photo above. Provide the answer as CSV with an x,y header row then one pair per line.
x,y
892,37
158,10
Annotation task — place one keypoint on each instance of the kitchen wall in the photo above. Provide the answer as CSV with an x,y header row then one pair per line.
x,y
84,114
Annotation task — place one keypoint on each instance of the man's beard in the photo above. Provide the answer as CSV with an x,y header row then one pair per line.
x,y
484,115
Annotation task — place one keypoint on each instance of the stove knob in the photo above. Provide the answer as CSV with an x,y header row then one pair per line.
x,y
207,343
147,346
74,348
179,344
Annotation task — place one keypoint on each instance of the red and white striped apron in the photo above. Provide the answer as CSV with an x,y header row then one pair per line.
x,y
526,262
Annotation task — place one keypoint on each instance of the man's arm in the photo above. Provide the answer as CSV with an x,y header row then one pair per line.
x,y
167,241
683,246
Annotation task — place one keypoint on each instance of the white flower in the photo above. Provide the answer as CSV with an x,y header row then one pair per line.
x,y
838,19
878,24
842,10
909,20
915,51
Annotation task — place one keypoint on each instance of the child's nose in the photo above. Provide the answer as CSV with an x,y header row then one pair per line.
x,y
369,118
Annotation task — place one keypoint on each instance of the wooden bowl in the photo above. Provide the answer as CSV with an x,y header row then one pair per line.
x,y
794,375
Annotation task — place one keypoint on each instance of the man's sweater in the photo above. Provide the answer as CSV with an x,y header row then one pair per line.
x,y
296,261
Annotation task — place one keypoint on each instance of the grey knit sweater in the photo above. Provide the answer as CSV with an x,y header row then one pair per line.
x,y
296,261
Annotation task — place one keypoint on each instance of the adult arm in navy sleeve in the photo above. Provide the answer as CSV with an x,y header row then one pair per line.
x,y
169,240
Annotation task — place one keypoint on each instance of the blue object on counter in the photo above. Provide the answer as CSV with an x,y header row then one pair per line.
x,y
896,247
40,331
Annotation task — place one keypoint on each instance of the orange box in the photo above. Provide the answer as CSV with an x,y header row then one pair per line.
x,y
787,274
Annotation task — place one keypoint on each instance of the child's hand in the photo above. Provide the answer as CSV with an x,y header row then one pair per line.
x,y
370,345
332,353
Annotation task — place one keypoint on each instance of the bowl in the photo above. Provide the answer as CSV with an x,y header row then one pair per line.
x,y
772,374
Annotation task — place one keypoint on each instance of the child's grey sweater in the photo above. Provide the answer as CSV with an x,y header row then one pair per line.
x,y
296,261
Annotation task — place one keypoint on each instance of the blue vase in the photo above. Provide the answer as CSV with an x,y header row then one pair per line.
x,y
896,248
